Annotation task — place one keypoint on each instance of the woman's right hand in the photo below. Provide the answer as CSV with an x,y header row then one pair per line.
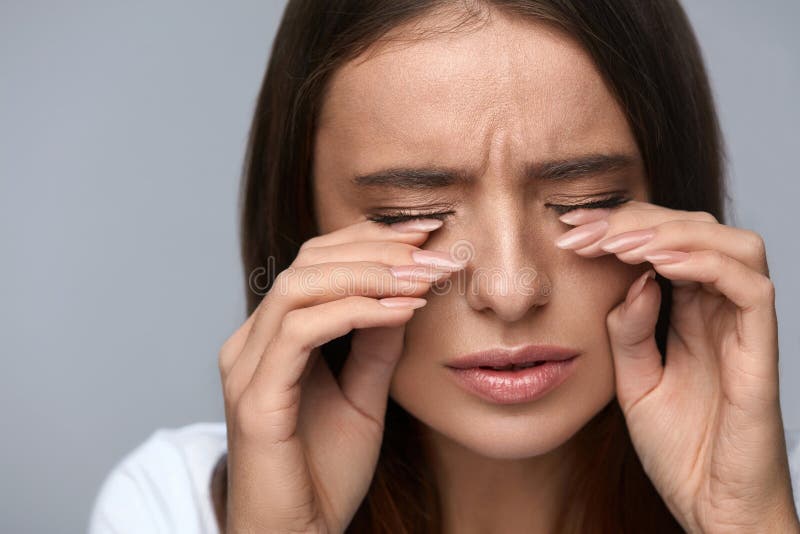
x,y
302,447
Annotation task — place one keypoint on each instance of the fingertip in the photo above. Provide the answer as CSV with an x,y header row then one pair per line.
x,y
410,303
637,288
584,215
417,225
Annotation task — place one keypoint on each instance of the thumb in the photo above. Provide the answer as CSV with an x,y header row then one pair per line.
x,y
369,367
631,330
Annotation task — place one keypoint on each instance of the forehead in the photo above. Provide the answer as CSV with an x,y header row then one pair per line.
x,y
518,87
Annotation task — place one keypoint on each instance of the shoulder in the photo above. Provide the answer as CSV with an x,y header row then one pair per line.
x,y
793,450
162,485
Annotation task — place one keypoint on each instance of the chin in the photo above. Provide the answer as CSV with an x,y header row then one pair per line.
x,y
504,431
511,443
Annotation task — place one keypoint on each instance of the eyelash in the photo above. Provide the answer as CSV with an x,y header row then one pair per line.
x,y
400,216
611,201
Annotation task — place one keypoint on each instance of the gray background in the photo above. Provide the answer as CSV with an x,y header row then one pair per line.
x,y
122,130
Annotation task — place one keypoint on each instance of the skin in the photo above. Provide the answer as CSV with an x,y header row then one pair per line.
x,y
456,102
707,426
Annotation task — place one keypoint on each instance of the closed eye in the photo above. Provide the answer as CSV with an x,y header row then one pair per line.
x,y
400,216
608,202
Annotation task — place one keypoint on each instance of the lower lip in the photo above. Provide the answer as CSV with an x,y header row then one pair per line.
x,y
511,387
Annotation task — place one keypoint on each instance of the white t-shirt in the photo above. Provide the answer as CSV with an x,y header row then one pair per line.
x,y
162,486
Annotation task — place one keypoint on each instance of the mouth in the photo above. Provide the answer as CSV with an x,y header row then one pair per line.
x,y
513,360
512,366
513,382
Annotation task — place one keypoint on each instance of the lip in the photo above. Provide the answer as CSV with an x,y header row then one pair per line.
x,y
499,356
514,386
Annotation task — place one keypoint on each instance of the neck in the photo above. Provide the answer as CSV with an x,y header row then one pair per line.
x,y
482,495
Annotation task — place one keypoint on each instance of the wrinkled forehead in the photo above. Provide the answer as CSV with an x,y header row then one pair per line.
x,y
451,92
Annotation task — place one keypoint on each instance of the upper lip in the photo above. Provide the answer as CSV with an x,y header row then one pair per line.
x,y
498,356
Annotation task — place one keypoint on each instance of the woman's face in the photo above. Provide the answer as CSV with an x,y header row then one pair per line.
x,y
492,102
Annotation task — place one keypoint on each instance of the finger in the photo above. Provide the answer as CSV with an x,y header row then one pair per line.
x,y
387,252
629,216
273,385
414,231
751,292
587,215
631,245
631,328
367,241
313,285
368,370
632,209
234,345
308,285
228,354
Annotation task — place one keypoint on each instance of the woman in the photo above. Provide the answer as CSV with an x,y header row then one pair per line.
x,y
439,195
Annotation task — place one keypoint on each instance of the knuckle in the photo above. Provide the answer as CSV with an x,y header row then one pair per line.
x,y
292,324
755,243
389,255
342,280
310,243
717,259
304,281
285,281
359,305
232,387
706,216
622,219
767,289
306,256
230,349
284,276
678,226
226,356
630,219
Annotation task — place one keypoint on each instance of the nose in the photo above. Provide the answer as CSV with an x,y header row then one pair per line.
x,y
504,274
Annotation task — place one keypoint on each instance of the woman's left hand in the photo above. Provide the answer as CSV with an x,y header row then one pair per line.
x,y
707,424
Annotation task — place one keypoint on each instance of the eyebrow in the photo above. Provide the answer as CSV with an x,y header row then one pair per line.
x,y
438,177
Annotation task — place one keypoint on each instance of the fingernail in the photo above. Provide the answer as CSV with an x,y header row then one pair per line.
x,y
582,235
626,240
417,225
434,258
637,287
403,302
417,273
584,215
666,256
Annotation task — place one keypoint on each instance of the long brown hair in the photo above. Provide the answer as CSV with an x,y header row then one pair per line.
x,y
646,51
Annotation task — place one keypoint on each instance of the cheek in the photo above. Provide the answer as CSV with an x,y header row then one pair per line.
x,y
598,284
